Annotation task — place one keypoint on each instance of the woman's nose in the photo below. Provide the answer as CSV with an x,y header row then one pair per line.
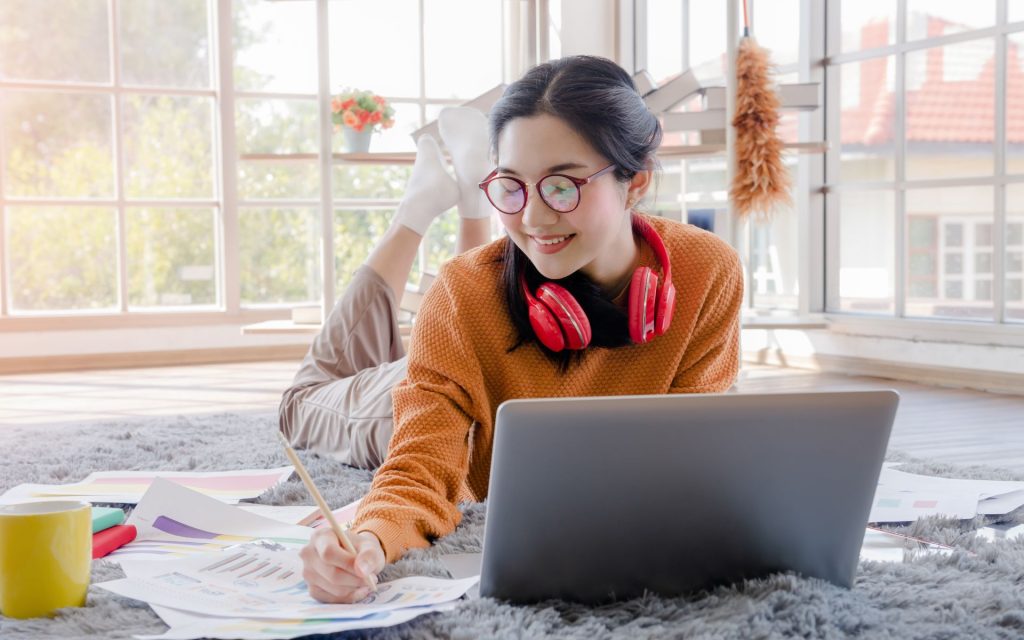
x,y
537,213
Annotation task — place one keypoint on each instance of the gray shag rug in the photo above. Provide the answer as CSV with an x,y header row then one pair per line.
x,y
962,595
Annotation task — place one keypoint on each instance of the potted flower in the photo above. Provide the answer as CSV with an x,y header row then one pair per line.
x,y
358,114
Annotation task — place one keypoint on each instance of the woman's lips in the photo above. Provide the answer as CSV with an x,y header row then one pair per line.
x,y
552,244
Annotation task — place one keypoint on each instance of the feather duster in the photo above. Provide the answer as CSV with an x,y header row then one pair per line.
x,y
761,182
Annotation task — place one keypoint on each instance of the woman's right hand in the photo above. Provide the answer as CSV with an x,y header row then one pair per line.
x,y
336,576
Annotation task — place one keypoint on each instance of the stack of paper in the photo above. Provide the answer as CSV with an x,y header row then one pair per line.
x,y
127,487
213,570
905,497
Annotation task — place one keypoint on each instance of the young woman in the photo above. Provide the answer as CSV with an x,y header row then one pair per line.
x,y
584,296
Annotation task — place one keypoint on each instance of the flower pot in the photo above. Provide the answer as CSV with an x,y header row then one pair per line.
x,y
357,141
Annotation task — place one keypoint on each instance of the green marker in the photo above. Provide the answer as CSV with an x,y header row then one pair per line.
x,y
106,517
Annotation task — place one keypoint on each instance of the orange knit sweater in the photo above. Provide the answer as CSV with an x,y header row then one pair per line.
x,y
460,371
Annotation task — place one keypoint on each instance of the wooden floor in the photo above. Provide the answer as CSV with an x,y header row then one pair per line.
x,y
959,426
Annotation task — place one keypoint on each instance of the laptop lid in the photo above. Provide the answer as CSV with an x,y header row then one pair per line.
x,y
601,498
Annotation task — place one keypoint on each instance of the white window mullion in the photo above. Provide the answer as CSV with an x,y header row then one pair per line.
x,y
999,227
422,31
811,174
900,199
640,29
4,285
228,245
122,242
323,54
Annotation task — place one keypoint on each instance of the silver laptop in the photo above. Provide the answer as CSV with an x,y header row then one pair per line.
x,y
603,498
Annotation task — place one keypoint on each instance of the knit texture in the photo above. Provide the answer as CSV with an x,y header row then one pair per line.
x,y
460,370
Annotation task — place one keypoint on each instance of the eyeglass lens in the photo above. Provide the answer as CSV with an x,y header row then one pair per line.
x,y
508,196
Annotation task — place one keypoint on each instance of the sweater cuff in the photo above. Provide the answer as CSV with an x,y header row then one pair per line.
x,y
394,538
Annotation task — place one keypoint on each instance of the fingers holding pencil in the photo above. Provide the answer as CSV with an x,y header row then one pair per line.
x,y
336,576
325,559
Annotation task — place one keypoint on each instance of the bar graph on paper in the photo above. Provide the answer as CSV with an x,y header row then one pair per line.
x,y
255,582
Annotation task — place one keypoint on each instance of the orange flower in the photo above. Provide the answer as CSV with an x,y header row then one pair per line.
x,y
379,100
364,116
348,103
375,117
336,105
351,120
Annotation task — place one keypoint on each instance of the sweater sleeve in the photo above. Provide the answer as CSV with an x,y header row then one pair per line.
x,y
413,498
712,357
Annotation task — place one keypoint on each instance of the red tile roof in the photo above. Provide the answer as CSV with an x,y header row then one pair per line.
x,y
947,100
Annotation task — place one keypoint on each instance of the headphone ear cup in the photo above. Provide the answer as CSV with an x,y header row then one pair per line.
x,y
666,308
643,290
545,326
574,324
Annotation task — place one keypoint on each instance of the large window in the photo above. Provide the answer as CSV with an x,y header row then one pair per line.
x,y
170,155
926,173
107,151
680,35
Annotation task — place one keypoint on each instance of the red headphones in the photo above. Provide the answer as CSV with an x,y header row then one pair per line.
x,y
559,321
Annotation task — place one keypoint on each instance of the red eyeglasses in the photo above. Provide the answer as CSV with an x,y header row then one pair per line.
x,y
558,191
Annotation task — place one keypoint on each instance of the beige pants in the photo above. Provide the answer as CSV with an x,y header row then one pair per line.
x,y
339,403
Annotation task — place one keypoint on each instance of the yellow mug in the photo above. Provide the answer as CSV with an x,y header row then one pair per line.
x,y
45,557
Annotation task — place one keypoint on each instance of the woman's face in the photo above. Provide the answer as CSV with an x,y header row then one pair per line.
x,y
595,238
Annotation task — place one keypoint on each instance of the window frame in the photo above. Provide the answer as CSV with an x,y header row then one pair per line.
x,y
997,330
818,203
226,201
117,91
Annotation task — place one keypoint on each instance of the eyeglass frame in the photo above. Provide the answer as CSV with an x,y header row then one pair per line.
x,y
579,182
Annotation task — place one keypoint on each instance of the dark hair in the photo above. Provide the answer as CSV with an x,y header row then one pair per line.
x,y
598,100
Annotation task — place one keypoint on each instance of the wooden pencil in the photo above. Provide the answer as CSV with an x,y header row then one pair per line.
x,y
320,502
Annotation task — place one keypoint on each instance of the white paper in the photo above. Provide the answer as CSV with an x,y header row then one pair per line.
x,y
895,480
127,487
294,514
174,522
188,626
252,582
1001,532
1002,504
908,506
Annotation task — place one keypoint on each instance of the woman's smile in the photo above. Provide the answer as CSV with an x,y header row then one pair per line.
x,y
552,244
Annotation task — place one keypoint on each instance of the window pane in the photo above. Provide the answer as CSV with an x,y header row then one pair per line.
x,y
380,182
275,46
707,40
356,231
932,18
950,110
284,179
168,147
276,126
75,33
450,72
1015,101
1015,10
664,38
867,24
379,50
279,250
777,27
945,225
62,258
1014,291
165,43
57,144
171,257
867,251
398,137
774,251
867,120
